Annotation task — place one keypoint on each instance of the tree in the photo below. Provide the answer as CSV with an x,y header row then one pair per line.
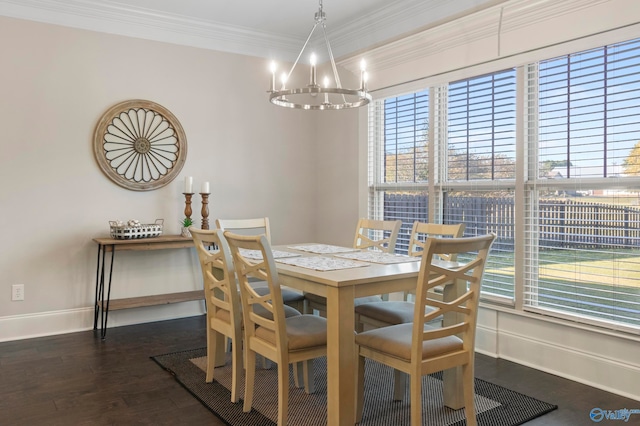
x,y
631,164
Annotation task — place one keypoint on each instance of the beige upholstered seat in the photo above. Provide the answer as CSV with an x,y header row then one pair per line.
x,y
370,234
418,349
258,226
282,340
224,310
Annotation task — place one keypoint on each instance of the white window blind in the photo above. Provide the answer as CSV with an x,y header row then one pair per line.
x,y
398,189
479,175
583,237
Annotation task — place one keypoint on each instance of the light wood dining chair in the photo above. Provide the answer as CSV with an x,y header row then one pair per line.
x,y
223,301
282,340
222,297
377,234
370,234
384,314
260,226
416,348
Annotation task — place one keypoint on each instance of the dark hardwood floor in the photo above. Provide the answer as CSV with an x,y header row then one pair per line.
x,y
78,379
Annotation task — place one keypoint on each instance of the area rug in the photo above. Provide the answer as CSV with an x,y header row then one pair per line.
x,y
495,405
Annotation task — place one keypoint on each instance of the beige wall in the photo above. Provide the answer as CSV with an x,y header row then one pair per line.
x,y
55,83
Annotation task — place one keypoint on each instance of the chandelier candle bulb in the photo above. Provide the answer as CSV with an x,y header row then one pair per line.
x,y
313,70
283,79
273,68
188,185
363,75
326,86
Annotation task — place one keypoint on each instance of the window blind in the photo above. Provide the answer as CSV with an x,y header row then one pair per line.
x,y
478,179
583,237
398,189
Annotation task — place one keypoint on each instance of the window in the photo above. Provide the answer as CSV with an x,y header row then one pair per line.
x,y
577,180
584,204
399,166
478,180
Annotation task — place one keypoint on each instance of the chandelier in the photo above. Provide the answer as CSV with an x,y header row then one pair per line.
x,y
315,96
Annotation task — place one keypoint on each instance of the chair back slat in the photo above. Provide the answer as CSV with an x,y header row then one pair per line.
x,y
221,291
421,231
265,270
371,234
257,226
467,271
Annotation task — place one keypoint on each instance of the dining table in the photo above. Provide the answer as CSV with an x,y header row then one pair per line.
x,y
340,287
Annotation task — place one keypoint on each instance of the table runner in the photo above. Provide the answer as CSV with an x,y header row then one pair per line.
x,y
320,263
378,257
322,248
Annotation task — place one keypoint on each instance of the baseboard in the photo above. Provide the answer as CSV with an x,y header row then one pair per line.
x,y
595,359
19,327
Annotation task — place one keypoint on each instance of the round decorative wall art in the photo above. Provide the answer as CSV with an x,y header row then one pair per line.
x,y
140,145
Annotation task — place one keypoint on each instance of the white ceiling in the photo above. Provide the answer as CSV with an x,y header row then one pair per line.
x,y
264,28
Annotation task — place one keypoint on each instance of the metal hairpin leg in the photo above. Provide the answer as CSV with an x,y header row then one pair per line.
x,y
99,284
101,306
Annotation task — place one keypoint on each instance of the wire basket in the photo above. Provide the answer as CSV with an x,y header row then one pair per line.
x,y
133,230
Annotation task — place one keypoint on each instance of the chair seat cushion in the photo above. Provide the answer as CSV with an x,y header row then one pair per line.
x,y
396,341
303,332
391,312
223,315
288,295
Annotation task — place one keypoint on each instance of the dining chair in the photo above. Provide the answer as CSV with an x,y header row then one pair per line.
x,y
282,340
224,310
384,314
416,348
377,234
222,301
257,226
393,312
370,234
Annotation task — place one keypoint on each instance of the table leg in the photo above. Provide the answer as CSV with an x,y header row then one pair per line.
x,y
341,356
452,378
99,284
105,311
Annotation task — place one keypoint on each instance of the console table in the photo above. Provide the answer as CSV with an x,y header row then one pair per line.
x,y
104,305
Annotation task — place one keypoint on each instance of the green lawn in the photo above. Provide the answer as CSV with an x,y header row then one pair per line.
x,y
597,284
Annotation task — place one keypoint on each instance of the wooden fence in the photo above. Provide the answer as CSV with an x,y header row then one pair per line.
x,y
562,222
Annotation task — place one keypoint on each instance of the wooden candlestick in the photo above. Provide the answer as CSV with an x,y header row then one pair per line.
x,y
187,204
205,210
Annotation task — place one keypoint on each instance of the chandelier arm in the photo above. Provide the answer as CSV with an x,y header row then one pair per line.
x,y
333,62
302,50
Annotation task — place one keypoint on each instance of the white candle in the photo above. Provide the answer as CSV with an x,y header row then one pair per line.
x,y
273,76
188,185
313,70
205,188
363,75
326,86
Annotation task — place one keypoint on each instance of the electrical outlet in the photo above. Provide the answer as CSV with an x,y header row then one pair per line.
x,y
17,292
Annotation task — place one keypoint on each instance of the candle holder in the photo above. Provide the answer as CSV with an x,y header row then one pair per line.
x,y
205,210
187,204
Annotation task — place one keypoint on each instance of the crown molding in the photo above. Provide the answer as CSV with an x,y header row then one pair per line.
x,y
146,24
398,20
489,23
346,37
